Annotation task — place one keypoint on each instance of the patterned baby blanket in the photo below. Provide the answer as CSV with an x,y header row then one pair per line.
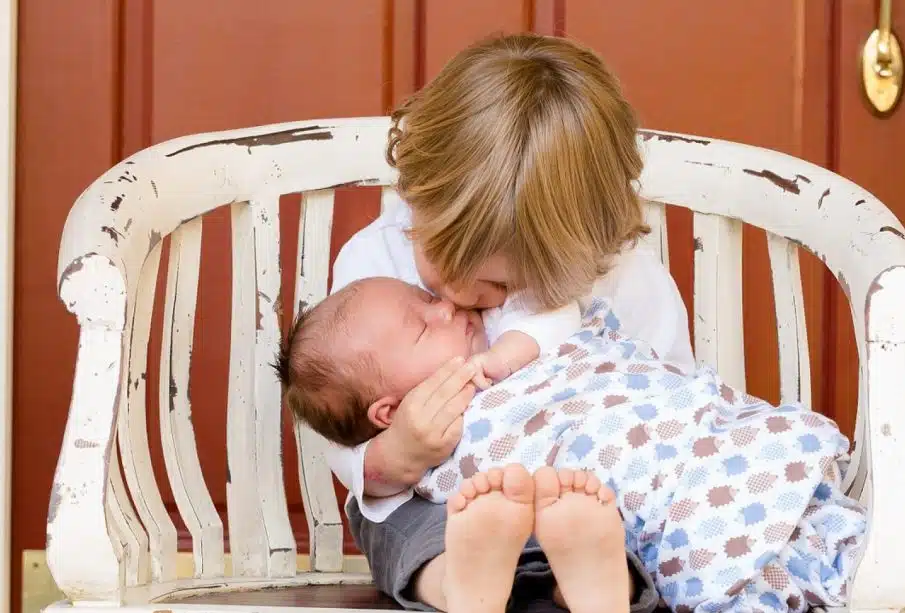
x,y
731,503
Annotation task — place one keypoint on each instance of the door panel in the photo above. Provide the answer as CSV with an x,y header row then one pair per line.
x,y
450,26
710,72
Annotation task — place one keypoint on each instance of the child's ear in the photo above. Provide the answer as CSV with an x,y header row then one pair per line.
x,y
381,412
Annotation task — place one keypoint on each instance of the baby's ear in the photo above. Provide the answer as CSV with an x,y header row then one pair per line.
x,y
381,412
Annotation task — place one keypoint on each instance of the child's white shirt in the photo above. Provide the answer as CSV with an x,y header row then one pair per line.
x,y
643,296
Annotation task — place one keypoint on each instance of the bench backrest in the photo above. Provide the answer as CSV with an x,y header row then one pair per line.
x,y
106,500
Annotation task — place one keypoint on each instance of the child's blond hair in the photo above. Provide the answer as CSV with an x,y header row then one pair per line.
x,y
522,145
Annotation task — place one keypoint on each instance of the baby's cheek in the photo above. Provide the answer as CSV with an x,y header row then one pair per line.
x,y
405,370
423,362
479,343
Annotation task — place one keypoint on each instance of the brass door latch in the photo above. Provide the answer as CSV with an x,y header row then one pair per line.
x,y
881,64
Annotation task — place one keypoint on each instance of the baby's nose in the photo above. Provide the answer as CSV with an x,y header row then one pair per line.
x,y
441,311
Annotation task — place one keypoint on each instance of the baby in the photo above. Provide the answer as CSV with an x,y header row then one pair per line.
x,y
732,504
360,351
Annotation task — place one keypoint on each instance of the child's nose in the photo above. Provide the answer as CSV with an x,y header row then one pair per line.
x,y
440,312
491,296
465,299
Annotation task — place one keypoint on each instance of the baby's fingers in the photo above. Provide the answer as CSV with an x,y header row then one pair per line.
x,y
481,381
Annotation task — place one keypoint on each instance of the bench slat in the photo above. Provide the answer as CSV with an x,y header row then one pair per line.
x,y
792,335
655,217
718,336
247,538
129,537
176,431
321,509
133,430
267,393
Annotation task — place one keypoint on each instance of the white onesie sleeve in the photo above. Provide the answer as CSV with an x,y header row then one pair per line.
x,y
548,329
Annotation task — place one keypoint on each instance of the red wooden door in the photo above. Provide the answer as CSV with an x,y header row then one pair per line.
x,y
101,80
870,151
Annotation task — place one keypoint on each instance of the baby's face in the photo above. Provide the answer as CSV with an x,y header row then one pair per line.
x,y
410,332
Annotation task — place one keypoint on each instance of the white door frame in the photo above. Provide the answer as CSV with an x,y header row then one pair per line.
x,y
8,30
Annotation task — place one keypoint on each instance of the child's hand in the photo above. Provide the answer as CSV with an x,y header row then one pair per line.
x,y
426,428
490,368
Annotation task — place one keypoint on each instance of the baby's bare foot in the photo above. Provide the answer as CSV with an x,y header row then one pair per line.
x,y
580,530
490,520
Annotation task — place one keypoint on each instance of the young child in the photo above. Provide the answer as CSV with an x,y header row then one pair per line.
x,y
778,533
517,166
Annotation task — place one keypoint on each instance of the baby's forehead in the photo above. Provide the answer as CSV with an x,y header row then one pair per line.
x,y
385,289
371,299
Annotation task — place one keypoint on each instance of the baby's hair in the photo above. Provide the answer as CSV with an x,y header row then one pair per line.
x,y
522,145
321,389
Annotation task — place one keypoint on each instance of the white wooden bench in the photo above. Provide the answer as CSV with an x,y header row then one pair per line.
x,y
111,542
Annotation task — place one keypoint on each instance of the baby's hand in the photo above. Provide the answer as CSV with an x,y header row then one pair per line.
x,y
490,368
